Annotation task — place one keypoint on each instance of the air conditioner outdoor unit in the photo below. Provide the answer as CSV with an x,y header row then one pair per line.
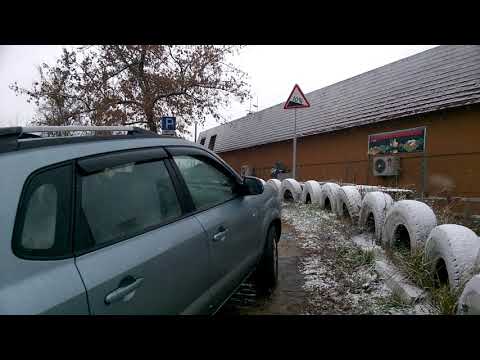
x,y
386,166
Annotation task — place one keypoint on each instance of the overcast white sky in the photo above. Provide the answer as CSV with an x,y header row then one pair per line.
x,y
273,70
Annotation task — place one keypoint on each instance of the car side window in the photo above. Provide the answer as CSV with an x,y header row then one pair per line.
x,y
124,201
208,185
40,218
42,227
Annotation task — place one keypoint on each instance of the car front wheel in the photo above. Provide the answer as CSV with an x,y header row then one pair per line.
x,y
266,275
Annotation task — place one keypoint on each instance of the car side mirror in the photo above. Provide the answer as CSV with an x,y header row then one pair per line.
x,y
251,186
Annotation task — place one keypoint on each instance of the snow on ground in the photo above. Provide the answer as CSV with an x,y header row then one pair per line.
x,y
339,276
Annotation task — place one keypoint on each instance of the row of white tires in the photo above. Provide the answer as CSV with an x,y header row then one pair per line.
x,y
452,251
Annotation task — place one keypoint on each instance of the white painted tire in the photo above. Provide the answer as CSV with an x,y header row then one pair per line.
x,y
330,192
293,186
458,247
276,184
311,188
477,263
417,217
350,197
365,189
469,301
376,204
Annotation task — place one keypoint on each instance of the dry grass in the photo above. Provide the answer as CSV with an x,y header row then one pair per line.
x,y
392,302
445,299
414,266
446,215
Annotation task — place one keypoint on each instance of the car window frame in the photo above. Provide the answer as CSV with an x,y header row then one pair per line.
x,y
179,150
18,250
80,249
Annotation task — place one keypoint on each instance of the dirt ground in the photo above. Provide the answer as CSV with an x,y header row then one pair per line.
x,y
288,298
321,271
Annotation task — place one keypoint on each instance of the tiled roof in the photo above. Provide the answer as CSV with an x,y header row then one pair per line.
x,y
439,78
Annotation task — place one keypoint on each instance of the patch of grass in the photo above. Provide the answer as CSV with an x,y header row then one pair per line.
x,y
353,258
445,300
363,257
444,212
414,266
393,301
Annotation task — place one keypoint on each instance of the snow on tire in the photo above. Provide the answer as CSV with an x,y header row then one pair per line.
x,y
477,263
290,187
408,221
329,196
365,189
275,183
373,211
349,198
469,301
451,251
311,191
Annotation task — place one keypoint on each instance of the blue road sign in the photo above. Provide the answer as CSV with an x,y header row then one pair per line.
x,y
169,123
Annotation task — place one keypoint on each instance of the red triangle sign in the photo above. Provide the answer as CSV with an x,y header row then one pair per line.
x,y
296,99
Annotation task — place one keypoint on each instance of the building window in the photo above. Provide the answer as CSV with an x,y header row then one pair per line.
x,y
211,144
202,141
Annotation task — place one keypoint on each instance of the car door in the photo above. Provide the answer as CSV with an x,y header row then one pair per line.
x,y
228,219
137,249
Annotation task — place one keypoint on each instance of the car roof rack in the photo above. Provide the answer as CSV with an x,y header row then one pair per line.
x,y
20,137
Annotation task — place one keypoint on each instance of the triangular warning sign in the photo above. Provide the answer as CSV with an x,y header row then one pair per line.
x,y
296,99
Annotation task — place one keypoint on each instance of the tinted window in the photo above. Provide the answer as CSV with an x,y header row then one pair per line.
x,y
124,201
207,184
40,218
43,221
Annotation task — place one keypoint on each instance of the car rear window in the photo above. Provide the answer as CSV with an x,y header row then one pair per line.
x,y
42,228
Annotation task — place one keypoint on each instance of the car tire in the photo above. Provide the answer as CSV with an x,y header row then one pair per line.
x,y
350,196
266,274
375,204
330,193
276,184
416,217
455,248
292,188
365,189
311,191
469,301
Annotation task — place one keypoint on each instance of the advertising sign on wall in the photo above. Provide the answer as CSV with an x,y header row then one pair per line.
x,y
402,141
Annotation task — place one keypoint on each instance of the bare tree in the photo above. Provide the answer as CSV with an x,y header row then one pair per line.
x,y
136,85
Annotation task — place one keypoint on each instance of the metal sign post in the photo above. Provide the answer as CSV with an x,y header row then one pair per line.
x,y
295,144
296,100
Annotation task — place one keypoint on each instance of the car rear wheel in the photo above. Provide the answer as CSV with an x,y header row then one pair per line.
x,y
266,275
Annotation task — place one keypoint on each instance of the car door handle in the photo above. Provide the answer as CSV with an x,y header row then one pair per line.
x,y
125,291
221,235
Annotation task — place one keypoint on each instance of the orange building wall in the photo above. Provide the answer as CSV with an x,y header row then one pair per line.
x,y
451,160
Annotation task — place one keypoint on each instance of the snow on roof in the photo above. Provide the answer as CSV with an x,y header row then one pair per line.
x,y
439,78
